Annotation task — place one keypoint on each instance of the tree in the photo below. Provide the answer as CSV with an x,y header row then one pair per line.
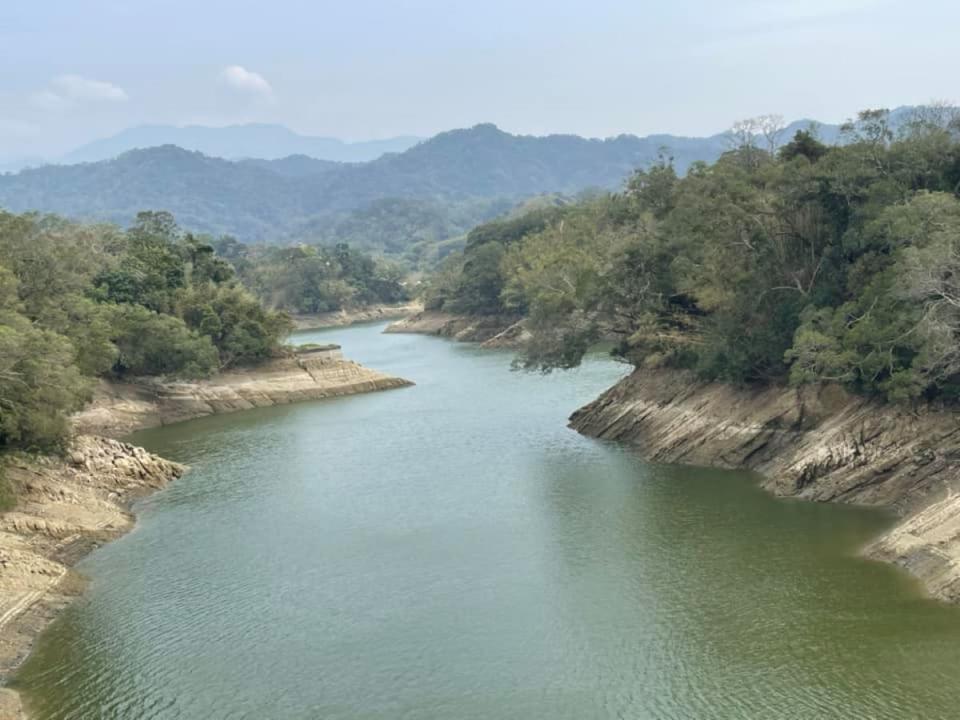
x,y
39,383
235,321
804,144
150,343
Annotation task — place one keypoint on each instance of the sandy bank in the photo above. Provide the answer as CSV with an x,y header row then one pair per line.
x,y
817,443
341,318
65,508
120,408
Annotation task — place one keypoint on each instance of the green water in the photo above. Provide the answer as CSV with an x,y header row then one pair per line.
x,y
451,550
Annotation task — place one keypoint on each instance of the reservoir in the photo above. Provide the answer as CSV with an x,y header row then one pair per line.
x,y
452,550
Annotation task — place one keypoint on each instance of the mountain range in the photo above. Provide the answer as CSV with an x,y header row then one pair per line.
x,y
233,142
434,190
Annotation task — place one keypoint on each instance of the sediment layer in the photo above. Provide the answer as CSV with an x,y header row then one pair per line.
x,y
119,408
65,507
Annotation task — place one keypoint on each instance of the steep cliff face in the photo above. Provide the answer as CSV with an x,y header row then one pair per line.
x,y
819,444
65,507
120,408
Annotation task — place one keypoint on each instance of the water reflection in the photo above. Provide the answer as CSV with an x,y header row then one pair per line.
x,y
451,550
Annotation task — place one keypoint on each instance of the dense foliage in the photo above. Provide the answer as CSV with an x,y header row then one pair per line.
x,y
471,282
810,263
81,301
314,278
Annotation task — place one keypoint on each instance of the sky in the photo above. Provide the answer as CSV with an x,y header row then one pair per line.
x,y
76,70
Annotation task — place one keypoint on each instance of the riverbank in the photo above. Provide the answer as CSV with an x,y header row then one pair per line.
x,y
342,318
817,443
119,408
491,331
65,508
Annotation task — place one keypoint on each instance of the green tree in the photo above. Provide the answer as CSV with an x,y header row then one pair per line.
x,y
150,343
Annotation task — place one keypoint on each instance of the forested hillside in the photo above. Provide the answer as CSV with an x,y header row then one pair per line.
x,y
434,191
811,263
79,302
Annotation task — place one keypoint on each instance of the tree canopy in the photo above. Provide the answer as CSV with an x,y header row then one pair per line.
x,y
800,263
82,301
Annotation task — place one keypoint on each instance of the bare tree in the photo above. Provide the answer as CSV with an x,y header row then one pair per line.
x,y
752,137
935,116
771,128
932,278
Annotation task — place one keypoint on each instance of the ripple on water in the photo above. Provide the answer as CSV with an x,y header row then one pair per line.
x,y
451,550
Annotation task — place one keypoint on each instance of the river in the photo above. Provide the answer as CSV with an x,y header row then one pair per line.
x,y
451,550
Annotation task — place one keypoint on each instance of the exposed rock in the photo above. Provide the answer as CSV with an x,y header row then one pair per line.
x,y
464,328
819,443
65,507
119,408
340,318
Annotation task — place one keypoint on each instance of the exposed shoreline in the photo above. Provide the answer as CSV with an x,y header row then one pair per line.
x,y
67,507
491,331
342,318
818,443
119,408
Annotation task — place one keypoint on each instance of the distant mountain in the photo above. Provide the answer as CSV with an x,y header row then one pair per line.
x,y
435,190
263,141
206,194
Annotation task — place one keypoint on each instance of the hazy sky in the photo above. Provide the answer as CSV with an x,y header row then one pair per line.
x,y
75,70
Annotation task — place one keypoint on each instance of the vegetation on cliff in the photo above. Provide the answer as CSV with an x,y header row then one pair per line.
x,y
802,262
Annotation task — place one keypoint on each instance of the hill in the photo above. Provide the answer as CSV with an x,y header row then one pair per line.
x,y
264,141
435,190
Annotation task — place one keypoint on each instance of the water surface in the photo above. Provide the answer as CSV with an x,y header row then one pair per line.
x,y
451,550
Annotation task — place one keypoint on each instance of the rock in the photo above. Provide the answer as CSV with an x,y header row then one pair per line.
x,y
64,509
120,408
463,328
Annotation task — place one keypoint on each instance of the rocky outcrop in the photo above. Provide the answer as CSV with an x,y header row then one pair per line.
x,y
341,318
464,328
817,443
65,507
119,408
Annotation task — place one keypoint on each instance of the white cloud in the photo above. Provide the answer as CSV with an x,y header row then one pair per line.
x,y
65,91
76,87
240,78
